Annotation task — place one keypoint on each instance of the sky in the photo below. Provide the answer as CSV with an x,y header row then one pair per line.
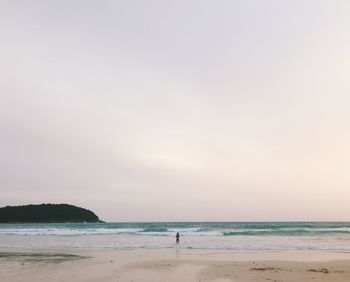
x,y
177,110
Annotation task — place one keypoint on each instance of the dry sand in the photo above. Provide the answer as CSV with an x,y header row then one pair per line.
x,y
172,265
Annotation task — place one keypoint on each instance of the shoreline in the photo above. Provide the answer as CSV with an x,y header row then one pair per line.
x,y
171,265
129,242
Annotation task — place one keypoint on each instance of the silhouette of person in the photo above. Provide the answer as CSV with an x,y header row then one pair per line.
x,y
177,238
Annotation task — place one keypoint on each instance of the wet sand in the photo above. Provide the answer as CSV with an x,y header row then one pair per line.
x,y
172,265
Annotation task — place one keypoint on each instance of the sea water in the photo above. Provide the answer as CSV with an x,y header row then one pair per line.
x,y
332,236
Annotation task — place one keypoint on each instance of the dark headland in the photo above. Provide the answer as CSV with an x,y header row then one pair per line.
x,y
46,213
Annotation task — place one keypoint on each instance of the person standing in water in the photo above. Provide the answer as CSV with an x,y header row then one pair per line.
x,y
177,238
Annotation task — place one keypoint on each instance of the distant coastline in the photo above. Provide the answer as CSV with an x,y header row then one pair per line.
x,y
47,213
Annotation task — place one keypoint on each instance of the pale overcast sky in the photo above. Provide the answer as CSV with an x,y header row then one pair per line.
x,y
177,110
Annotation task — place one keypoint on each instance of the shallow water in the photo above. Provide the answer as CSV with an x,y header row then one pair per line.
x,y
334,236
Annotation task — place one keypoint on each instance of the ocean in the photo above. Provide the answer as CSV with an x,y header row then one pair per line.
x,y
332,236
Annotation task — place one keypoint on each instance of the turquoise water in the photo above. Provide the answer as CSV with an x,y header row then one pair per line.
x,y
185,228
334,236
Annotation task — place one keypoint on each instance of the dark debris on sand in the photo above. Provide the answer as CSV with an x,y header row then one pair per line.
x,y
40,257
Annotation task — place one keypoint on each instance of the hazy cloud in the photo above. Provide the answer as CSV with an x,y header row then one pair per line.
x,y
177,110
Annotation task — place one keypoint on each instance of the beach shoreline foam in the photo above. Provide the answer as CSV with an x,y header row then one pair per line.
x,y
327,236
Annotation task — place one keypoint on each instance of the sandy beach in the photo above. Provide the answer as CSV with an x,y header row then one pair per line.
x,y
172,265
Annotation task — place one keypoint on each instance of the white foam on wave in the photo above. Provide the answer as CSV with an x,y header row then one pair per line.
x,y
313,229
68,231
183,233
106,231
191,231
247,230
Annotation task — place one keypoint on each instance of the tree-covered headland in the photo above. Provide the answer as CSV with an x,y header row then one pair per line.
x,y
46,213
